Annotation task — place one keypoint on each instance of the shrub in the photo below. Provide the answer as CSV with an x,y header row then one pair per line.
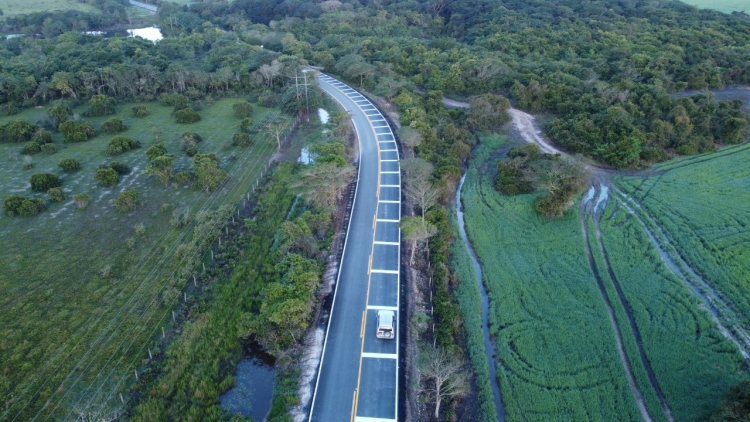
x,y
120,168
161,168
241,140
156,151
42,182
25,207
140,111
180,102
42,137
106,177
183,177
76,132
113,125
190,142
101,105
246,124
31,148
59,113
242,109
127,200
82,200
70,165
56,194
207,171
120,144
167,99
17,131
8,109
48,148
187,115
28,162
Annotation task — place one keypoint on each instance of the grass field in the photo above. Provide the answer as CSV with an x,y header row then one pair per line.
x,y
693,363
556,351
555,345
83,291
726,6
15,7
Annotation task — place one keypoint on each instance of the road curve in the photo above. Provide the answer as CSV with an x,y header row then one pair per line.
x,y
358,373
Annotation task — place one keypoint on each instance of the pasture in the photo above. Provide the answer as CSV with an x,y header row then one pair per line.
x,y
16,7
85,291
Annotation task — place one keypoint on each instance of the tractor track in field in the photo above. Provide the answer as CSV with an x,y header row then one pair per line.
x,y
586,209
724,317
596,216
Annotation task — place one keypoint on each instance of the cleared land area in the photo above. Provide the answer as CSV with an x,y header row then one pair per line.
x,y
16,7
556,348
726,6
86,292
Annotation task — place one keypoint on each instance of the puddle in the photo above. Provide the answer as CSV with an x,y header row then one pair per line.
x,y
253,389
324,116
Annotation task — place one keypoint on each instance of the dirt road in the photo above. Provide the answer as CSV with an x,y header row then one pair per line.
x,y
522,121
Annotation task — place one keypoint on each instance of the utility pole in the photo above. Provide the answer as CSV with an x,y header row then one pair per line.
x,y
296,88
307,103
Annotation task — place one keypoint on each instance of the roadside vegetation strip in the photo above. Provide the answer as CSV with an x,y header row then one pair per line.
x,y
169,233
553,341
693,362
701,212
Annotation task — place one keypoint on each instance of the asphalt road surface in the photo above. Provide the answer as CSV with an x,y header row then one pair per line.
x,y
358,375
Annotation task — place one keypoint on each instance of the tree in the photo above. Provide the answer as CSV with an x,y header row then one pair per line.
x,y
410,137
323,183
190,142
187,115
101,105
25,207
56,194
127,200
206,168
120,144
106,177
156,151
70,165
355,66
59,113
443,375
242,140
488,110
17,131
417,231
161,168
113,125
42,182
82,200
140,111
419,190
76,131
242,109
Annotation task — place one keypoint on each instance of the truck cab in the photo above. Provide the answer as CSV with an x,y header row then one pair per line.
x,y
386,329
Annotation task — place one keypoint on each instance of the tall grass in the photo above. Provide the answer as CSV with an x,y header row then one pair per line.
x,y
557,355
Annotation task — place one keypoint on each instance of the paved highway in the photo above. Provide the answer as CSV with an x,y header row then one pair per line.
x,y
358,374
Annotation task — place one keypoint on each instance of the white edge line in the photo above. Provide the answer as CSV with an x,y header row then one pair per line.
x,y
390,172
385,220
388,150
389,202
390,186
388,161
366,419
338,276
384,271
382,242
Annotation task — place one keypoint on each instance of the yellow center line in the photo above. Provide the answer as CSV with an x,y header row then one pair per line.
x,y
369,267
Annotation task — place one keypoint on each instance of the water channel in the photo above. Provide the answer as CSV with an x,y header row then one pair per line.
x,y
489,348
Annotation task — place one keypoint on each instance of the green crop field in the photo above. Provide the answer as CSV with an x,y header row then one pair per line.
x,y
693,363
726,6
556,351
84,292
16,7
555,345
